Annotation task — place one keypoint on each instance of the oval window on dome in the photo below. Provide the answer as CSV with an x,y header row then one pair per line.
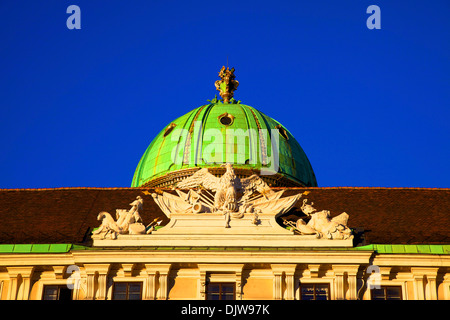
x,y
282,132
226,119
169,129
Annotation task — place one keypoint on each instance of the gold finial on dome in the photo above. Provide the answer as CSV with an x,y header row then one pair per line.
x,y
227,85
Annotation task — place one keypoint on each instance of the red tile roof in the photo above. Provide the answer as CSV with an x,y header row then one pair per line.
x,y
66,215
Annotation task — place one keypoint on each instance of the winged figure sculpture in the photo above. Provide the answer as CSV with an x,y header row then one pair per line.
x,y
226,194
228,188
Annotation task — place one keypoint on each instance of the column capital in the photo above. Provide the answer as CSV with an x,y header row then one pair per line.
x,y
424,271
279,268
340,269
314,270
100,268
59,271
163,268
24,271
127,269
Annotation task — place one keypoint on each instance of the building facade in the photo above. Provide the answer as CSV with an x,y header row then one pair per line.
x,y
224,205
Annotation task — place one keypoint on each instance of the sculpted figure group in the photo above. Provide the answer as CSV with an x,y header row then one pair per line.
x,y
322,225
128,222
229,195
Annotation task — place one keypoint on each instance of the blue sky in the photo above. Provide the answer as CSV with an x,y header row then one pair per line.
x,y
369,107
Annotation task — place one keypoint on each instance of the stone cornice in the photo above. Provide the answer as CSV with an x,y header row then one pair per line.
x,y
436,260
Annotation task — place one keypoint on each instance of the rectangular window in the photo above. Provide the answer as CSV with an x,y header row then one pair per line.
x,y
315,291
127,291
57,292
221,291
386,293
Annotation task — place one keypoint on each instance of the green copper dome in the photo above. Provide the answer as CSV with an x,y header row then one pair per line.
x,y
218,133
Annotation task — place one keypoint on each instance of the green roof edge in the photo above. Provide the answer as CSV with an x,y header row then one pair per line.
x,y
36,248
379,248
407,248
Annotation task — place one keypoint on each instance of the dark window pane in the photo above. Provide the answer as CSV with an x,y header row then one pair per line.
x,y
307,292
321,287
135,287
127,291
307,296
387,293
213,296
50,293
57,293
393,293
65,294
378,294
220,291
307,287
321,296
134,296
314,291
120,287
213,288
119,296
321,292
227,288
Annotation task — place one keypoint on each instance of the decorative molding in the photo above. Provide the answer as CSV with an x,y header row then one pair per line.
x,y
223,211
314,270
59,271
173,177
220,273
127,269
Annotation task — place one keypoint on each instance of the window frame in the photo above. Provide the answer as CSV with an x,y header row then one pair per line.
x,y
384,288
58,294
220,293
314,284
127,291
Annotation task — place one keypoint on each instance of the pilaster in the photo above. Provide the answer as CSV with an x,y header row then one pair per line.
x,y
420,275
149,291
17,274
340,271
288,270
352,278
239,285
157,273
202,284
96,276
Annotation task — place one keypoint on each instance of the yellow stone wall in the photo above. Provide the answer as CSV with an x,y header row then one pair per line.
x,y
183,288
258,275
258,289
